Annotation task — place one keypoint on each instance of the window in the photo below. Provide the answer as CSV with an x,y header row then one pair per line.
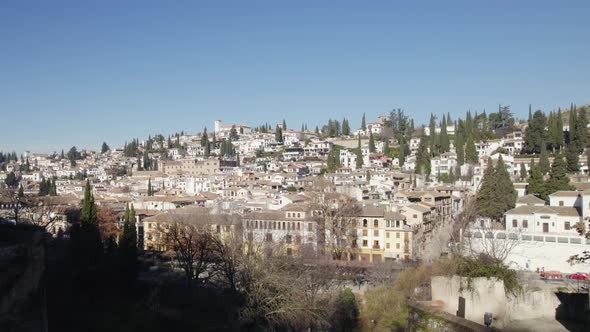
x,y
566,226
365,232
250,236
375,223
388,245
514,223
387,235
365,223
310,227
397,246
560,203
397,223
365,243
298,215
289,215
525,224
376,244
397,235
268,237
375,233
387,223
218,229
415,216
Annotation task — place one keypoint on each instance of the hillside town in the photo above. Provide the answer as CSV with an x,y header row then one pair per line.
x,y
389,192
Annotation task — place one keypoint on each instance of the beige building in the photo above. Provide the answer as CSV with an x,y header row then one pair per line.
x,y
382,235
191,167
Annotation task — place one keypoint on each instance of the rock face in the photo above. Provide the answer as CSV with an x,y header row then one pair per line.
x,y
22,290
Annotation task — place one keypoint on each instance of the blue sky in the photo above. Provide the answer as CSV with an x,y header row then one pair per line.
x,y
81,72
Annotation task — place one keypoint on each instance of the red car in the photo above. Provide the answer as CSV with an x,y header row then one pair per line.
x,y
578,276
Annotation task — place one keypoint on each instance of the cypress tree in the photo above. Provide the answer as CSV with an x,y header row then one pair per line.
x,y
544,165
386,147
284,125
558,179
150,190
371,143
572,157
582,129
21,192
278,134
128,246
237,159
359,159
423,156
368,176
444,137
559,138
402,155
204,138
460,142
470,151
432,136
363,123
345,127
536,183
523,172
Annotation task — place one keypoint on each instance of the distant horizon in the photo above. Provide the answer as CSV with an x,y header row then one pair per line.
x,y
83,73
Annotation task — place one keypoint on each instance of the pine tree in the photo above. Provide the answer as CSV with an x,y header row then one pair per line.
x,y
363,123
371,143
544,165
558,179
535,133
105,148
496,194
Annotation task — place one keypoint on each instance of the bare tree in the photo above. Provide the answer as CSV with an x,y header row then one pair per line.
x,y
191,244
38,211
337,221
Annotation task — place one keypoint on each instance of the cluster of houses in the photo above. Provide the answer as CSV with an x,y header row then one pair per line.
x,y
270,186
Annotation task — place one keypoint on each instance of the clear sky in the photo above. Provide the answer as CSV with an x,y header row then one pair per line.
x,y
77,73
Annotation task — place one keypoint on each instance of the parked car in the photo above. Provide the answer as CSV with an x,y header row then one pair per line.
x,y
551,275
578,276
